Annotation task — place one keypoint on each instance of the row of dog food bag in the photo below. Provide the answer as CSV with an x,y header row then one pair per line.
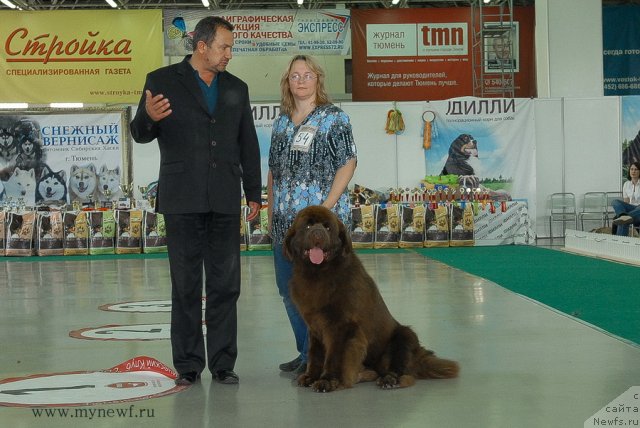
x,y
389,226
47,233
94,232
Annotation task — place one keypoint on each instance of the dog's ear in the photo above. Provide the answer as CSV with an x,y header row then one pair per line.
x,y
287,244
345,238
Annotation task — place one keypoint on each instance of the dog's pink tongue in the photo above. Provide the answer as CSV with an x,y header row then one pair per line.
x,y
316,255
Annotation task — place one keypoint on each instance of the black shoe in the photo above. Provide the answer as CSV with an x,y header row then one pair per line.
x,y
302,367
291,365
188,378
228,377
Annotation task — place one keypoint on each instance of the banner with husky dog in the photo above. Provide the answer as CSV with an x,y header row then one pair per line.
x,y
54,159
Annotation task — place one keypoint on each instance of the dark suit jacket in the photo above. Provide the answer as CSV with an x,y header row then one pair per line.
x,y
203,158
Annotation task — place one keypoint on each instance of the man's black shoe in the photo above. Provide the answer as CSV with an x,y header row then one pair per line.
x,y
291,365
188,378
228,377
302,368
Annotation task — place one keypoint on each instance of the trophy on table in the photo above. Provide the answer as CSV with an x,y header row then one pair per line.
x,y
127,201
147,201
107,200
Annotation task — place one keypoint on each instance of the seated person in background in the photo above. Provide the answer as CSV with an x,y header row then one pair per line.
x,y
628,210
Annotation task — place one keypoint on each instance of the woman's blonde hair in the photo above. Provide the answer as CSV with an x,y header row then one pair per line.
x,y
287,103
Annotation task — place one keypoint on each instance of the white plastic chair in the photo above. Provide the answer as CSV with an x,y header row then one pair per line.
x,y
594,207
562,208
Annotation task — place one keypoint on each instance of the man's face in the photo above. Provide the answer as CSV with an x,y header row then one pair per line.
x,y
218,53
502,47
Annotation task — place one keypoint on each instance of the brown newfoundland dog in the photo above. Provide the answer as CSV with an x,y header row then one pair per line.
x,y
353,337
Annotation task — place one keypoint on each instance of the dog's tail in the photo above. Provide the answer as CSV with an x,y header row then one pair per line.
x,y
428,366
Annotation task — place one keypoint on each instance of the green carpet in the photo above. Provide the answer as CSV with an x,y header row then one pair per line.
x,y
605,294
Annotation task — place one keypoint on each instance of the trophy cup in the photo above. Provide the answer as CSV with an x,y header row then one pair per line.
x,y
107,194
127,190
144,191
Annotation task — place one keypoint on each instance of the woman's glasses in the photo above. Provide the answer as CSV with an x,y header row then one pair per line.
x,y
295,77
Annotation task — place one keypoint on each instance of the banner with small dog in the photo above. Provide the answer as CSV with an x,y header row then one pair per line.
x,y
55,158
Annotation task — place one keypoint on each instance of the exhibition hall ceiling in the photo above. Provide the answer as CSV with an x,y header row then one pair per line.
x,y
240,4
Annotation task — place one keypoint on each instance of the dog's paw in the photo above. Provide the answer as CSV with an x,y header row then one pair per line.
x,y
305,380
388,381
325,385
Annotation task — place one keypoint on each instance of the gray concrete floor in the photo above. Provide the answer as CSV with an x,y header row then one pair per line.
x,y
523,365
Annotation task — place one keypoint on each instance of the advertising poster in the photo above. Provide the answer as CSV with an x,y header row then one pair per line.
x,y
266,32
57,158
427,54
263,117
630,107
488,143
78,56
621,49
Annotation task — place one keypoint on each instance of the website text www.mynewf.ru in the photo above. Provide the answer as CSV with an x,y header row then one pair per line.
x,y
93,413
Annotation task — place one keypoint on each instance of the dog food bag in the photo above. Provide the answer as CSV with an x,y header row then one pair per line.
x,y
412,226
102,232
436,226
3,217
20,229
258,232
462,226
243,227
155,233
76,233
50,233
129,232
387,232
363,226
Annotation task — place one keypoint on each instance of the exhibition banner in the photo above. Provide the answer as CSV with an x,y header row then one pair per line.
x,y
488,143
427,54
263,117
50,158
78,56
630,107
266,32
621,49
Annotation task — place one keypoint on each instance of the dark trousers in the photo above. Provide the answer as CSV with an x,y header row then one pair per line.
x,y
209,243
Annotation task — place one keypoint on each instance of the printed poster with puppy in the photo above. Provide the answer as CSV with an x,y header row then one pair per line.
x,y
462,226
362,226
20,233
76,233
55,158
387,226
436,223
50,233
412,228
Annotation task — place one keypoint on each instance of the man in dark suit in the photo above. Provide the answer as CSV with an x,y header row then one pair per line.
x,y
201,116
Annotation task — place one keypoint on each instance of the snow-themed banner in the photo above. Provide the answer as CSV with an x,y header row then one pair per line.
x,y
56,158
266,32
488,143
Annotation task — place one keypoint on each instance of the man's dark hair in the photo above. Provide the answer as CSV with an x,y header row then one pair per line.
x,y
206,30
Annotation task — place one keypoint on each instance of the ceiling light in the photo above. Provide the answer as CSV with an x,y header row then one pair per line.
x,y
8,4
486,1
205,3
13,105
66,105
394,2
112,3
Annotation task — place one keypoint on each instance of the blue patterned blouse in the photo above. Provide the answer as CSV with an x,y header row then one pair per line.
x,y
303,161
